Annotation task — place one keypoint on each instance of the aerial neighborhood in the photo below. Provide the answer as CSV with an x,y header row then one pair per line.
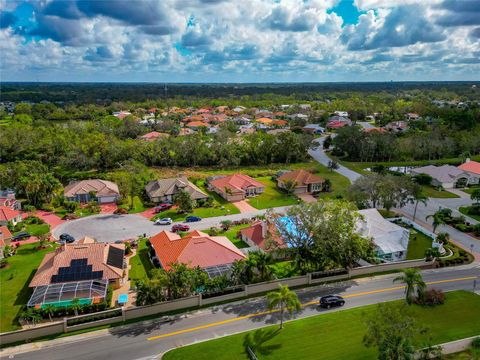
x,y
170,208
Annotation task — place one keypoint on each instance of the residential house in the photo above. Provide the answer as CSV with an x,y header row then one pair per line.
x,y
397,126
313,129
196,125
82,271
472,168
121,114
164,190
298,116
446,176
262,234
304,181
242,120
412,116
390,240
279,123
5,239
83,191
341,113
239,109
152,136
7,198
236,187
264,121
214,254
9,215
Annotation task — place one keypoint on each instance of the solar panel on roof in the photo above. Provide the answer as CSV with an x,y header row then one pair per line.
x,y
79,269
115,257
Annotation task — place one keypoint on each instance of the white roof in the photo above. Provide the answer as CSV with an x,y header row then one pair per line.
x,y
387,236
444,173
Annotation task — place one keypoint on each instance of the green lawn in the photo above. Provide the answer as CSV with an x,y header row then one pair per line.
x,y
464,211
35,229
140,263
231,234
417,245
431,192
14,281
272,196
470,190
221,207
338,335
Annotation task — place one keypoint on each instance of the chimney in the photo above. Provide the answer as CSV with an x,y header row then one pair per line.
x,y
264,228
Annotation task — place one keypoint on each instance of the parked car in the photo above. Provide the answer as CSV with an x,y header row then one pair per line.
x,y
21,236
66,238
193,219
161,207
331,301
164,221
180,227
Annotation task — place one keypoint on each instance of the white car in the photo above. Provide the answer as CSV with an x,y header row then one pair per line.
x,y
165,221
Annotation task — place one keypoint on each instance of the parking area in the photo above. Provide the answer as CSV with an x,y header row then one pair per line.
x,y
109,228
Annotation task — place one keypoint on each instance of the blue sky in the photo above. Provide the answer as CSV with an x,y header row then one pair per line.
x,y
239,41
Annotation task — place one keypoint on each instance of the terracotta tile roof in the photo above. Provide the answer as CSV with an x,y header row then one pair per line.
x,y
7,214
195,249
197,124
100,187
95,253
279,122
236,182
265,121
5,235
152,135
471,166
301,177
256,233
336,124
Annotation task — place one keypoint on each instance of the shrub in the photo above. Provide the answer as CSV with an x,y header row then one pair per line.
x,y
213,231
3,263
29,208
432,297
120,211
476,343
128,248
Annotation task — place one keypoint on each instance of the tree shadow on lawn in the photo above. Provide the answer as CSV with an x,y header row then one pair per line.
x,y
24,294
256,340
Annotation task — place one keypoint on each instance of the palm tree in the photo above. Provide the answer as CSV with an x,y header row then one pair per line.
x,y
283,298
49,309
75,305
413,280
417,196
262,263
437,219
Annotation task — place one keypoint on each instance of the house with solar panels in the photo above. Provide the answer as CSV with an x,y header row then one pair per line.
x,y
83,271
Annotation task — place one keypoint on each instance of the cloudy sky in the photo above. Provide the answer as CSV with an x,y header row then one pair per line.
x,y
239,40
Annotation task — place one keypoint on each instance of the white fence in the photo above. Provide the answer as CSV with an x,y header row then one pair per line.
x,y
197,300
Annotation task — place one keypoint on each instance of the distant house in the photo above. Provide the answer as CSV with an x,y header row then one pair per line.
x,y
305,106
83,191
472,168
81,271
374,130
260,233
236,187
185,131
341,113
165,189
7,199
9,215
390,240
334,124
298,116
412,116
121,114
214,254
397,126
305,182
446,176
313,129
239,109
5,239
197,125
265,121
152,136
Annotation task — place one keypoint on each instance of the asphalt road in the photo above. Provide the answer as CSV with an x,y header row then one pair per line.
x,y
150,339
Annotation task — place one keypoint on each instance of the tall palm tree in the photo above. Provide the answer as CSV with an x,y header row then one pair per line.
x,y
283,298
413,281
437,219
416,197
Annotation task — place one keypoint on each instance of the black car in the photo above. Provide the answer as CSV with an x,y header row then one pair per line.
x,y
192,219
21,236
331,301
67,238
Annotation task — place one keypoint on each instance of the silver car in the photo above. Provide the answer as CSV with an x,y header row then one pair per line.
x,y
165,221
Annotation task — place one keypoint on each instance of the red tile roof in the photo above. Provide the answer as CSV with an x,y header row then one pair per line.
x,y
195,249
236,182
7,214
5,235
471,166
336,124
197,124
256,234
95,253
153,135
301,177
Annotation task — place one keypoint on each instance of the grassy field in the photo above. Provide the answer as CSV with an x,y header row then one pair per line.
x,y
137,205
231,234
470,190
14,281
464,211
272,196
417,245
339,335
140,263
431,192
35,229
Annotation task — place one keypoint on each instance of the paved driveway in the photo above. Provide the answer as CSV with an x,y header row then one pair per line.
x,y
244,206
